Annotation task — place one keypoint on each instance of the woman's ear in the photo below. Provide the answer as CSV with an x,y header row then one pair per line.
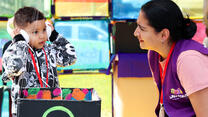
x,y
165,34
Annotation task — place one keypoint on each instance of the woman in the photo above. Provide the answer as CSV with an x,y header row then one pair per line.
x,y
179,64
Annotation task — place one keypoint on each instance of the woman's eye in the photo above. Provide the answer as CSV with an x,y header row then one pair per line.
x,y
141,29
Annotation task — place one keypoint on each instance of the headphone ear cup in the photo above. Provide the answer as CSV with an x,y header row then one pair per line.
x,y
48,30
25,35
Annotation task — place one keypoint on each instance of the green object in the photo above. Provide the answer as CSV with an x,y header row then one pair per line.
x,y
4,35
9,7
59,108
65,92
33,91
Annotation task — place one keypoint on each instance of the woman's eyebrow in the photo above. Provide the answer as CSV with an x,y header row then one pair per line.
x,y
141,27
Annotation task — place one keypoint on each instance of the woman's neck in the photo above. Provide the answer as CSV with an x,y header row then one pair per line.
x,y
165,49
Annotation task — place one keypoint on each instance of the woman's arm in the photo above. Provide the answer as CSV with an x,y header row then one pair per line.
x,y
199,101
192,69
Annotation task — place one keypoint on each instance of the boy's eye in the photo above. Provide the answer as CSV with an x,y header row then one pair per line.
x,y
35,32
44,29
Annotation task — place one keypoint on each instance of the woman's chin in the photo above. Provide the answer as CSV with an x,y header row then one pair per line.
x,y
142,46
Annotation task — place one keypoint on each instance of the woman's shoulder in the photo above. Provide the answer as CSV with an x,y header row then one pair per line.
x,y
192,53
190,57
192,65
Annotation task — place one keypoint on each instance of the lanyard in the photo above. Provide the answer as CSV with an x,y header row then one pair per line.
x,y
36,69
163,73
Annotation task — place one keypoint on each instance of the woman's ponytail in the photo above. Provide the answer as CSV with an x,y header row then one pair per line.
x,y
189,28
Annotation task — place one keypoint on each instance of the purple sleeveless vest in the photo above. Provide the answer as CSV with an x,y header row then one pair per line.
x,y
175,100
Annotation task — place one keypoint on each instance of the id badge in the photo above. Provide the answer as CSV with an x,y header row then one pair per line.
x,y
162,111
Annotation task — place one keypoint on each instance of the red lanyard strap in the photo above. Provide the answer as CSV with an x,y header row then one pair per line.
x,y
163,73
36,69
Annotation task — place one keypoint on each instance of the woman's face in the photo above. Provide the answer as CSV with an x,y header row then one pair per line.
x,y
147,36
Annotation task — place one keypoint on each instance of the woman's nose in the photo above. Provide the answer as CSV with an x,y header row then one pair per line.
x,y
136,32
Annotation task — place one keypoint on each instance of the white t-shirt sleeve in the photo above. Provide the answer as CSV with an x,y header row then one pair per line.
x,y
192,70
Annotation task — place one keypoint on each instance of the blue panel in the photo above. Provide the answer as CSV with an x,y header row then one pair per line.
x,y
5,105
127,9
91,41
4,35
2,42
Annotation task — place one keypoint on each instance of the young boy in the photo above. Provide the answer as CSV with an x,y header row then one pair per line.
x,y
29,61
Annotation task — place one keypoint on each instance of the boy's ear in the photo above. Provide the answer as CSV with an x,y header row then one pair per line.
x,y
165,34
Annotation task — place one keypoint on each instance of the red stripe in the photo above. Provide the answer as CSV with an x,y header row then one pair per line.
x,y
162,79
81,0
163,73
36,69
46,66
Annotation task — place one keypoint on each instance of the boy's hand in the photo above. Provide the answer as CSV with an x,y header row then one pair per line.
x,y
10,28
51,26
15,32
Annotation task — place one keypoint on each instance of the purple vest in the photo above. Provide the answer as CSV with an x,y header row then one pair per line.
x,y
175,100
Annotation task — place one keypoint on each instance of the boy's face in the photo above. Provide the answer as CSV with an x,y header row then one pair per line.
x,y
37,33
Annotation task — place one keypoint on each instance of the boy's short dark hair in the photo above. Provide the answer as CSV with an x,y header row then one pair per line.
x,y
27,15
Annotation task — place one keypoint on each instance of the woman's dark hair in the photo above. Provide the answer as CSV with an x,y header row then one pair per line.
x,y
27,15
166,14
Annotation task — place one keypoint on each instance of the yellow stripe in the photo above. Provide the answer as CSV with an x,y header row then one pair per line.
x,y
81,9
194,8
